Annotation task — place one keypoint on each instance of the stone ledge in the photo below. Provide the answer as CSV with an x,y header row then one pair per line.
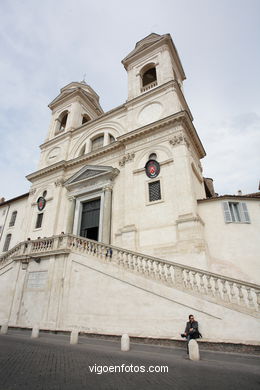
x,y
247,347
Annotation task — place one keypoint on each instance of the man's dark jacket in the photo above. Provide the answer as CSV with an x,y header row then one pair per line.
x,y
193,325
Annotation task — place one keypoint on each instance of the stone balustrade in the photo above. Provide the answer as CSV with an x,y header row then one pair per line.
x,y
149,86
216,288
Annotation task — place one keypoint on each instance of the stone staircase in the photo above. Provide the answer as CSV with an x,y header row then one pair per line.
x,y
231,293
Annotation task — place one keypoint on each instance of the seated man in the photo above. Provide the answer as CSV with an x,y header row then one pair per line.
x,y
192,329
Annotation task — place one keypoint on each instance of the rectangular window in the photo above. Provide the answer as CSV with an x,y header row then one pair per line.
x,y
154,191
13,218
235,212
7,242
39,221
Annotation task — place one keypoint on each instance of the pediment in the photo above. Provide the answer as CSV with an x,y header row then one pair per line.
x,y
90,173
144,43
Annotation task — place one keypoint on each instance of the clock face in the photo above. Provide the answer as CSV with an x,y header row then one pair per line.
x,y
152,168
41,203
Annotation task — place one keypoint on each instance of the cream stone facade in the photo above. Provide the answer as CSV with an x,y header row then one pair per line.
x,y
120,232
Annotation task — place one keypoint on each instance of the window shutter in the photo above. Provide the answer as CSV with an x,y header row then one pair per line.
x,y
244,212
227,214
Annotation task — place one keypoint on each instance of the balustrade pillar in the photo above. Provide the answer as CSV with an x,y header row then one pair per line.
x,y
178,276
70,217
106,224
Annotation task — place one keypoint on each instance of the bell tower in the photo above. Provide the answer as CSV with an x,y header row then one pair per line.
x,y
76,104
153,62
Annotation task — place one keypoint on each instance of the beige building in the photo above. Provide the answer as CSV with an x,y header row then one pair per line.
x,y
120,231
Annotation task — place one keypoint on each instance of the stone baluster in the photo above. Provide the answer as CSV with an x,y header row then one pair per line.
x,y
168,274
209,286
131,261
250,298
138,269
110,254
103,253
224,290
257,292
194,280
95,249
134,262
141,265
188,281
216,288
156,270
164,273
241,295
124,259
232,292
152,269
120,258
145,267
178,276
202,284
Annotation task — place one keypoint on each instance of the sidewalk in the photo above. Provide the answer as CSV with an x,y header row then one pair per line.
x,y
50,362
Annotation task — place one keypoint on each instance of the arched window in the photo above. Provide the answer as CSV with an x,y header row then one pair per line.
x,y
111,138
62,121
85,118
7,242
97,142
13,218
149,76
82,150
153,156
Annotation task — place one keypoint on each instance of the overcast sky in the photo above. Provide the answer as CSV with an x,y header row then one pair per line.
x,y
44,45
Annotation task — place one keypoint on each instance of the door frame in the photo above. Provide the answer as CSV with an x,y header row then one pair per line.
x,y
78,211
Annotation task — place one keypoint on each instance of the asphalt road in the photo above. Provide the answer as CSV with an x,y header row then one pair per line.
x,y
50,362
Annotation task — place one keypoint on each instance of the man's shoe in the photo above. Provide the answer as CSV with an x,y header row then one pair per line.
x,y
183,335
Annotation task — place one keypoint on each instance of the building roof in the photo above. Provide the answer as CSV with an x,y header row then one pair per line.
x,y
255,195
151,41
14,199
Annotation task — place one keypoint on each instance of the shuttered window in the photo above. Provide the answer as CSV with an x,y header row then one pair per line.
x,y
235,212
154,191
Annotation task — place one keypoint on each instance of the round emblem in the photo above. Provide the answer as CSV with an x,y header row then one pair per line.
x,y
152,168
41,202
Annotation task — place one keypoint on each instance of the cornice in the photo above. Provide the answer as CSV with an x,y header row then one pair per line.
x,y
228,197
58,101
85,126
43,171
191,131
181,117
152,92
56,139
76,161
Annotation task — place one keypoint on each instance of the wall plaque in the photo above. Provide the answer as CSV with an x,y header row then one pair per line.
x,y
37,279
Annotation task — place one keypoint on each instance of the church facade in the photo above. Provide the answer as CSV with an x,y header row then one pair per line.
x,y
118,208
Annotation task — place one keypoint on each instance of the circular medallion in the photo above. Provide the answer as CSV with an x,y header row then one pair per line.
x,y
152,168
41,202
150,113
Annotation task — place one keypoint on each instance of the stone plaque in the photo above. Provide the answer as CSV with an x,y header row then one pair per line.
x,y
37,279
